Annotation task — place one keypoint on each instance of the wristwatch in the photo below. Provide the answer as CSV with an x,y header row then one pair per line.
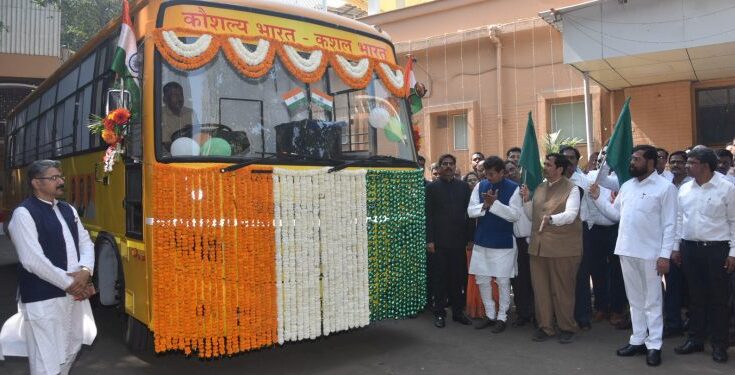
x,y
85,268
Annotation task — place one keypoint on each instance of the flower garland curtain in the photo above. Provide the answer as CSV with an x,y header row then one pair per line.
x,y
356,71
213,272
321,252
396,243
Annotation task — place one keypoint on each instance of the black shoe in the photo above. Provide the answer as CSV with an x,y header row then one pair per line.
x,y
439,322
689,347
487,322
631,350
520,322
540,335
585,326
653,357
719,354
566,337
462,319
499,327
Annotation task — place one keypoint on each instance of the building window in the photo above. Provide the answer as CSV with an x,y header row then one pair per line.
x,y
568,118
459,123
716,116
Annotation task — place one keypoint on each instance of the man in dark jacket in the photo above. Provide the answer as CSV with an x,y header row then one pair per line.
x,y
449,234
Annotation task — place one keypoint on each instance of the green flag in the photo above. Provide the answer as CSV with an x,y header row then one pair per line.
x,y
530,158
621,145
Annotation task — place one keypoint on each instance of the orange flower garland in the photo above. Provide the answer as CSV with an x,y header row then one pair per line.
x,y
276,47
213,272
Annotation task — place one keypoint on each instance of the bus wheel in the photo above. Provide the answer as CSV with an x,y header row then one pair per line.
x,y
108,276
138,338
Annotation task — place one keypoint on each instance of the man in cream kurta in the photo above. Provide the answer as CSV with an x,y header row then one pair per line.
x,y
54,316
496,203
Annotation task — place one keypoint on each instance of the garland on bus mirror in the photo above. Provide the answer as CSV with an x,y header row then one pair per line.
x,y
112,128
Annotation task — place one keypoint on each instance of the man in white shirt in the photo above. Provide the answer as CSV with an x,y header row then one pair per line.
x,y
646,211
674,291
57,258
663,157
598,236
705,248
522,290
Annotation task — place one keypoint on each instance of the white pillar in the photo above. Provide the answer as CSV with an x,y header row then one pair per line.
x,y
588,115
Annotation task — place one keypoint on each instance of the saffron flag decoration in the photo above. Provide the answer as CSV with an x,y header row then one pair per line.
x,y
125,61
530,159
620,147
260,256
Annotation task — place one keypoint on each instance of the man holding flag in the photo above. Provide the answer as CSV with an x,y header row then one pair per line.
x,y
646,211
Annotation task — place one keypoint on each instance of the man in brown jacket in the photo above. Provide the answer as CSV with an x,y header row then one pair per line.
x,y
555,250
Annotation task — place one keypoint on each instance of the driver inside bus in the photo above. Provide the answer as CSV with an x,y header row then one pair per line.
x,y
174,115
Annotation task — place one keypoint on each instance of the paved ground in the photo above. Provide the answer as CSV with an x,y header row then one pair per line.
x,y
410,346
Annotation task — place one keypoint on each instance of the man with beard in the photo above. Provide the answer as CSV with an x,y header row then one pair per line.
x,y
449,234
555,249
496,204
56,261
522,291
646,211
706,238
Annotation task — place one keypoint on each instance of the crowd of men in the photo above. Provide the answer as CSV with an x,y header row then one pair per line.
x,y
659,249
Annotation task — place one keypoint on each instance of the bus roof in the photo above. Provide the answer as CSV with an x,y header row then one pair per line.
x,y
273,6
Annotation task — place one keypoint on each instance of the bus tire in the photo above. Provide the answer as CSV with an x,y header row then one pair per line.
x,y
138,338
108,276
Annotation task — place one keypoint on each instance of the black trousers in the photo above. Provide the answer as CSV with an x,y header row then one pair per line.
x,y
522,290
709,291
448,277
601,264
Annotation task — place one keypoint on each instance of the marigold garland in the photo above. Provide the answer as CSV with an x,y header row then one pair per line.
x,y
396,240
277,47
213,290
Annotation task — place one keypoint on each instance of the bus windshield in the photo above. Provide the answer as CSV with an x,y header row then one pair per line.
x,y
215,113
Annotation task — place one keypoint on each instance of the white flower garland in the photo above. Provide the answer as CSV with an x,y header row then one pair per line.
x,y
308,65
251,58
356,71
187,50
321,229
395,78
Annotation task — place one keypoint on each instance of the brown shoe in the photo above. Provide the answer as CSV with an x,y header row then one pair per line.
x,y
624,324
599,316
616,318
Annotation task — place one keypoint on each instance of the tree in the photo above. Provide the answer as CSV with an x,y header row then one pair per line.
x,y
82,19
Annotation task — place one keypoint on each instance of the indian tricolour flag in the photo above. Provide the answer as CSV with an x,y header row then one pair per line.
x,y
413,98
322,99
294,98
125,60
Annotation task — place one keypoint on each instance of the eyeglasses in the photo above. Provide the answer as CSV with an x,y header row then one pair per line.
x,y
447,163
52,178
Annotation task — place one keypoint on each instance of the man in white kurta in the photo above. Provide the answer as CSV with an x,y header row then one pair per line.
x,y
50,331
496,203
646,210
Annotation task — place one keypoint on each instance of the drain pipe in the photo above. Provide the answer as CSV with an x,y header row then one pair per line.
x,y
588,114
494,34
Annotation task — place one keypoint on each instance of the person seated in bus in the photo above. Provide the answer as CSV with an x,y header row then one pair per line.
x,y
174,115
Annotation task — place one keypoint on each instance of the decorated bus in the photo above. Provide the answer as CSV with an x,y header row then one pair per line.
x,y
247,170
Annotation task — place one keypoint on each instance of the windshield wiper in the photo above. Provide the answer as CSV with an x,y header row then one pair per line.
x,y
375,158
271,155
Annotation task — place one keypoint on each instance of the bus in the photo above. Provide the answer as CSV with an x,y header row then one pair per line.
x,y
268,190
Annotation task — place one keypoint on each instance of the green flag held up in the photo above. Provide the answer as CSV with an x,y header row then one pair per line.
x,y
530,158
621,145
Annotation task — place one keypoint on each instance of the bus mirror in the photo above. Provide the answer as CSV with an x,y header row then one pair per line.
x,y
117,98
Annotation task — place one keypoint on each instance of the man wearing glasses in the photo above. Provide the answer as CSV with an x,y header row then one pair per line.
x,y
449,233
57,259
